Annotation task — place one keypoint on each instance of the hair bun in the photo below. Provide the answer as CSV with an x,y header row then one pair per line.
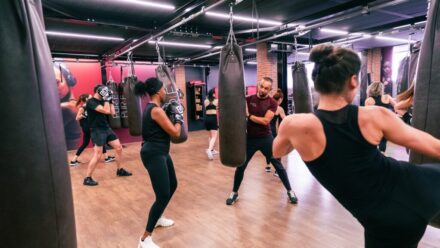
x,y
321,54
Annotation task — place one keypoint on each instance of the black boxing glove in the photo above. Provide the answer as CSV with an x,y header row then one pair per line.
x,y
175,107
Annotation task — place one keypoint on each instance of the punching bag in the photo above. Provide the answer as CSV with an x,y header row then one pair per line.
x,y
232,106
163,73
114,120
364,78
402,80
123,105
37,206
302,98
134,109
426,114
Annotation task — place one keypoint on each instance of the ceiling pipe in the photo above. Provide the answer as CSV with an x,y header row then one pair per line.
x,y
149,37
312,25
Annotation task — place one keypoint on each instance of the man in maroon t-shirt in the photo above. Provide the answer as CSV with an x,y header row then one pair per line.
x,y
260,110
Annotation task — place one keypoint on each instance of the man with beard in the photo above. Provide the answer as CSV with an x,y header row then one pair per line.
x,y
260,109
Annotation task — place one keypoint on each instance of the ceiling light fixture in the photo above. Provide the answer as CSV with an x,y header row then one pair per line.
x,y
403,26
76,54
333,31
422,22
243,18
254,50
303,53
179,44
151,4
88,36
393,39
251,62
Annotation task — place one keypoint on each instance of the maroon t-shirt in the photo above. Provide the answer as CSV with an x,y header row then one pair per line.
x,y
259,107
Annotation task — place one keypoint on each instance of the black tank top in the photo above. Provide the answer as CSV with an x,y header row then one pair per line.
x,y
273,123
352,169
211,106
378,102
151,131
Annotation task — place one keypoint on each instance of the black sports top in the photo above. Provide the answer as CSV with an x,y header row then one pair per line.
x,y
96,119
378,102
151,131
211,106
84,122
273,123
352,169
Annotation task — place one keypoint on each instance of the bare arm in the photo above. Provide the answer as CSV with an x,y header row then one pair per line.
x,y
158,115
282,145
281,113
263,120
369,101
112,109
404,105
104,109
392,102
396,131
79,114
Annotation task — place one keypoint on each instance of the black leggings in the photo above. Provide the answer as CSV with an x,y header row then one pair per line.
x,y
264,145
86,140
401,220
159,165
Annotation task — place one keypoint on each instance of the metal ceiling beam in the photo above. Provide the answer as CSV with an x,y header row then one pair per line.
x,y
356,11
146,38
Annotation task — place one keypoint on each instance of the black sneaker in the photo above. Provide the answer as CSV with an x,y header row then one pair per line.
x,y
123,173
109,159
267,169
292,197
89,181
74,163
232,198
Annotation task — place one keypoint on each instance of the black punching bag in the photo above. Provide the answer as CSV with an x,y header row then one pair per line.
x,y
36,209
123,105
232,106
426,114
134,109
114,120
164,74
402,80
302,98
364,78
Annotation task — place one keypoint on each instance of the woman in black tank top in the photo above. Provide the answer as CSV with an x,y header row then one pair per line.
x,y
211,124
393,200
376,97
157,130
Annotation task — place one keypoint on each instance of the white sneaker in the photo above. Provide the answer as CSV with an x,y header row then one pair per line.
x,y
147,243
164,222
215,152
209,153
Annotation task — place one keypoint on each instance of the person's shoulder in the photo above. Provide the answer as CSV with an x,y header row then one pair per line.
x,y
373,112
301,121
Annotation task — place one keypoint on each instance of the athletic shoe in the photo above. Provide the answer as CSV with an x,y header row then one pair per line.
x,y
233,197
109,159
74,163
88,181
164,222
214,152
209,153
275,174
292,197
123,173
267,169
147,243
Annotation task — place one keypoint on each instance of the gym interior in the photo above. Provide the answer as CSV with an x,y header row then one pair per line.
x,y
172,93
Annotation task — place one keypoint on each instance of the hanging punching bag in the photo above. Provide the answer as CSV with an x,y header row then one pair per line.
x,y
163,73
426,112
402,80
302,98
364,78
123,105
114,120
37,204
232,106
134,109
414,61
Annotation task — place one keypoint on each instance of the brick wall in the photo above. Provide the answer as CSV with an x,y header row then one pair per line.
x,y
266,64
374,58
181,84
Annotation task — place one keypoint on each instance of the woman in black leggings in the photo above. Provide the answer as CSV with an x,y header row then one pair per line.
x,y
393,200
81,116
157,129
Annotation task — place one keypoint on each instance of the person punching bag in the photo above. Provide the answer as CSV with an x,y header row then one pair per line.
x,y
364,78
37,203
302,98
163,73
134,108
114,120
402,80
427,90
232,104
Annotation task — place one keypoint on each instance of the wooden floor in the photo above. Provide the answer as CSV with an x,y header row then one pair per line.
x,y
114,214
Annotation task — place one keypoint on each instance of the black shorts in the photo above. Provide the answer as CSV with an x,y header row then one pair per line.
x,y
100,136
211,122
